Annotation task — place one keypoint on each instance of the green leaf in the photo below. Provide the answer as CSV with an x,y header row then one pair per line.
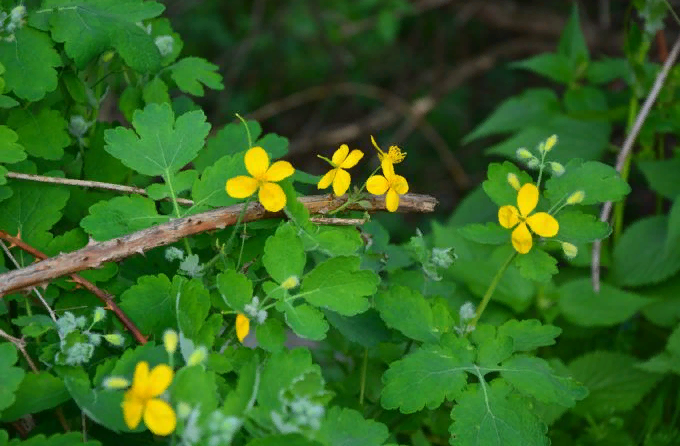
x,y
279,439
101,406
428,376
647,251
347,427
29,61
496,185
578,139
491,349
585,101
88,28
11,376
195,386
337,241
34,325
229,140
532,107
191,73
192,306
662,176
70,439
537,265
7,102
582,306
155,92
176,183
606,70
37,392
275,145
495,416
271,335
43,135
339,285
120,216
577,227
284,255
614,383
572,43
209,190
534,377
236,289
490,233
555,67
407,310
305,320
32,210
598,181
366,329
161,27
10,151
150,304
161,144
237,401
529,334
281,370
153,354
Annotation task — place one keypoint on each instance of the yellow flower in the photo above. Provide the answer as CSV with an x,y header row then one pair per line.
x,y
141,400
242,326
391,183
342,159
541,223
395,155
263,179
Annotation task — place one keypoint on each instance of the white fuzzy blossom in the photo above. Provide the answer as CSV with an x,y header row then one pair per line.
x,y
254,312
165,44
173,253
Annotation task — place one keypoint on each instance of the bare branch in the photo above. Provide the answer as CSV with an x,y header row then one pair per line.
x,y
93,255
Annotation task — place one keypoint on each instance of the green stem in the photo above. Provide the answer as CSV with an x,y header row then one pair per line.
x,y
492,287
227,247
364,367
178,214
353,198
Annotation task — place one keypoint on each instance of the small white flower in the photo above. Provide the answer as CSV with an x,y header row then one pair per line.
x,y
173,253
165,44
467,311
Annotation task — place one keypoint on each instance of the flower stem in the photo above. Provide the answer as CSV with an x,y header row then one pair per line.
x,y
492,287
353,198
364,366
168,180
227,247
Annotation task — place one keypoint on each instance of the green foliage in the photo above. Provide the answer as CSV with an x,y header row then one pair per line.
x,y
12,375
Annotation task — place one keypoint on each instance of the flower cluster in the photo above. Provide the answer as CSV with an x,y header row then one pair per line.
x,y
263,178
11,22
143,399
78,341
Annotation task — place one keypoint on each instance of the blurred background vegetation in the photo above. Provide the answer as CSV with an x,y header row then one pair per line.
x,y
417,73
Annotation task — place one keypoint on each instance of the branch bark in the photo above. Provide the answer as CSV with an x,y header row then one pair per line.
x,y
95,254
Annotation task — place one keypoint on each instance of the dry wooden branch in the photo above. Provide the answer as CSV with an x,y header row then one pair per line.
x,y
95,254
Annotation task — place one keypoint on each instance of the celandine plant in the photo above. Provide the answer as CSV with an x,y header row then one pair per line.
x,y
159,285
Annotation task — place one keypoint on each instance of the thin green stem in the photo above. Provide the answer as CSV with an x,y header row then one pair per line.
x,y
168,180
364,367
250,139
353,198
492,287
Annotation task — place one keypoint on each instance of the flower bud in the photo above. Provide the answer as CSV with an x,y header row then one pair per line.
x,y
242,326
183,410
99,314
170,341
116,382
523,154
548,145
290,283
557,168
197,356
467,311
576,198
115,339
514,181
533,163
570,250
165,44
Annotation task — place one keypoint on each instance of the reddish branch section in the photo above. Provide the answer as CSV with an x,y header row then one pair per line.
x,y
95,254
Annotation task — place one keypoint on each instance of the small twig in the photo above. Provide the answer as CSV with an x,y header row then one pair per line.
x,y
627,148
34,289
338,221
21,346
105,297
95,254
85,183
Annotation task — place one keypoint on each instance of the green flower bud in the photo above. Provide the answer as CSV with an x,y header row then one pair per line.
x,y
576,198
570,250
523,154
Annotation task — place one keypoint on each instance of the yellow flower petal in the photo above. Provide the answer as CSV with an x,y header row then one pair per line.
x,y
377,185
521,239
140,381
340,155
391,200
352,160
387,168
543,224
272,197
132,411
160,379
399,184
508,216
380,152
527,199
327,179
242,327
279,171
159,417
241,186
257,162
341,182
